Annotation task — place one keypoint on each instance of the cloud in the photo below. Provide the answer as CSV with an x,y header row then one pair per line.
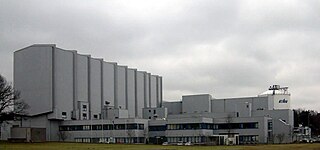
x,y
226,48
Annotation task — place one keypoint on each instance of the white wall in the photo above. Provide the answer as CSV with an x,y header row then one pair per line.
x,y
131,93
95,87
33,77
196,103
153,91
280,101
63,85
121,86
147,90
140,93
82,77
108,82
159,90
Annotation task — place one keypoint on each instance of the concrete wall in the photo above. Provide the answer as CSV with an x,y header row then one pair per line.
x,y
63,84
218,105
173,107
95,87
155,113
108,82
121,86
280,101
82,77
159,90
153,91
196,103
131,105
140,93
147,90
236,104
34,66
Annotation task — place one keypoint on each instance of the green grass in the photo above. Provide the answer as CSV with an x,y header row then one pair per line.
x,y
85,146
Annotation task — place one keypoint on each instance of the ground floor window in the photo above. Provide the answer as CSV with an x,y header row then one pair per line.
x,y
248,139
192,139
111,140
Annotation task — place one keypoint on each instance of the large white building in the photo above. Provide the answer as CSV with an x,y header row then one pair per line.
x,y
66,85
92,100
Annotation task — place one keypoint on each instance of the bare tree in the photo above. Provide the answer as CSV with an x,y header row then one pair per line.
x,y
273,138
10,103
291,134
146,135
131,134
280,137
229,124
62,135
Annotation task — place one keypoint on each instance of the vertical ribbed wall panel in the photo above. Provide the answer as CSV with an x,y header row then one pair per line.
x,y
131,93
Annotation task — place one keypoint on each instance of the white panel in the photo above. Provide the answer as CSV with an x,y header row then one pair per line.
x,y
121,87
108,82
82,78
196,103
95,87
159,92
131,93
281,101
153,91
147,96
33,77
140,93
63,74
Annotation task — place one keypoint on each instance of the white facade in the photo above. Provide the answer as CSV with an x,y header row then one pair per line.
x,y
68,85
94,100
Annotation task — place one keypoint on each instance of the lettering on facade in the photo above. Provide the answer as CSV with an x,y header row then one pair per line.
x,y
283,101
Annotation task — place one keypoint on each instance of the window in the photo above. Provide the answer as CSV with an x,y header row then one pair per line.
x,y
149,117
132,126
157,128
270,125
64,115
251,125
149,110
97,127
154,112
86,127
95,116
84,107
84,116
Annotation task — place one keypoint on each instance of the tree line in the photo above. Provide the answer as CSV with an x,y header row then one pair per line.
x,y
310,118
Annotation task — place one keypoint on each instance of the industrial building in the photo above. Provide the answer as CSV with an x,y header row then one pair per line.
x,y
78,98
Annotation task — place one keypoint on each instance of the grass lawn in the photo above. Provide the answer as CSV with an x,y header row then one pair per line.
x,y
87,146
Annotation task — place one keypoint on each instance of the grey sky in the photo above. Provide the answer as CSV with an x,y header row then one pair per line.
x,y
225,48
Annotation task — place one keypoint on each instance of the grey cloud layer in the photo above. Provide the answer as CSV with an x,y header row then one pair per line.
x,y
226,48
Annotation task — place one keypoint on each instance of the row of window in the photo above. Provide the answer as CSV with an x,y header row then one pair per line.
x,y
248,139
195,126
194,139
133,126
158,128
111,140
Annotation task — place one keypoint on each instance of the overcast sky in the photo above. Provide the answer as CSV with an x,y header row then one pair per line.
x,y
222,47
